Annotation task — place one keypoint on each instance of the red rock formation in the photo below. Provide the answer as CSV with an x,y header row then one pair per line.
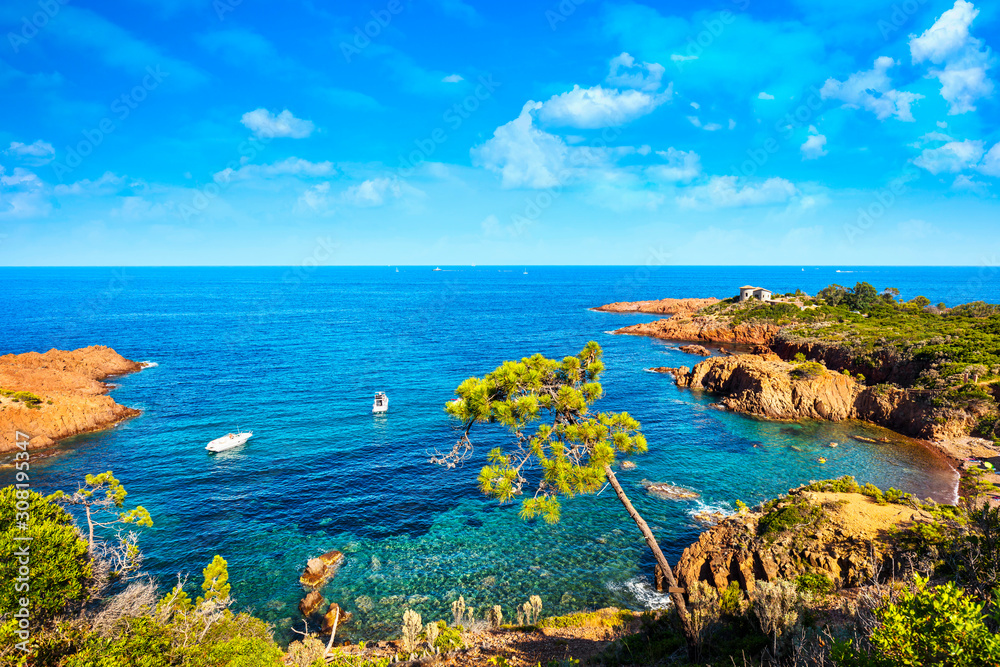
x,y
659,306
320,570
705,328
73,398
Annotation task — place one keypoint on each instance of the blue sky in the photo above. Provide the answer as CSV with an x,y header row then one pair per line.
x,y
454,132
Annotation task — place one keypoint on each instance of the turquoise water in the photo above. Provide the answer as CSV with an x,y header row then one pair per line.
x,y
297,358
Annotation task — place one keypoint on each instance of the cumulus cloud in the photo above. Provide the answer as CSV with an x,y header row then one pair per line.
x,y
263,123
964,59
626,73
22,194
525,156
725,192
765,96
814,145
711,127
36,154
373,192
953,157
292,166
680,166
453,78
315,198
872,90
965,183
991,163
595,107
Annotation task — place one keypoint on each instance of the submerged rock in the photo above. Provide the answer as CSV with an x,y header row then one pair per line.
x,y
335,613
668,491
310,603
320,570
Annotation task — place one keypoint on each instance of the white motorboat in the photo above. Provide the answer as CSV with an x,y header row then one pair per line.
x,y
381,403
228,441
437,268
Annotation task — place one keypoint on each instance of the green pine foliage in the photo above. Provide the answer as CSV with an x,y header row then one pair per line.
x,y
545,404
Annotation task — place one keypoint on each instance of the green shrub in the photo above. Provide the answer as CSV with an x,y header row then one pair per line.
x,y
799,358
795,513
815,584
448,638
928,627
808,370
58,559
731,601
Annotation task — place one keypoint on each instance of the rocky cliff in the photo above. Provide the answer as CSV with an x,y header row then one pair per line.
x,y
659,306
705,328
765,386
71,397
847,537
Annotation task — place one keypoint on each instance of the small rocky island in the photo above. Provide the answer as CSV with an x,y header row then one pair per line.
x,y
59,393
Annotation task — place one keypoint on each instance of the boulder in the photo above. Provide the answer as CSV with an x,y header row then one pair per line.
x,y
696,349
320,570
310,603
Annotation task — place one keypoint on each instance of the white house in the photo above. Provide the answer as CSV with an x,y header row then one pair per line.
x,y
751,292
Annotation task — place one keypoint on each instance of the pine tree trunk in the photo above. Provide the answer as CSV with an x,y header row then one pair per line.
x,y
675,595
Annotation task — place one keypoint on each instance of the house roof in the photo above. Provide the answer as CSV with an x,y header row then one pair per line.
x,y
748,287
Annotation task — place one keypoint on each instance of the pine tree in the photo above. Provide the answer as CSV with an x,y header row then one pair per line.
x,y
545,404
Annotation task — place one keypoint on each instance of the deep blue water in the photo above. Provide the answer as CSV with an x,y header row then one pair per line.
x,y
296,356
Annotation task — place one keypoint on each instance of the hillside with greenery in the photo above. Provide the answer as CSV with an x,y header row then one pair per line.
x,y
951,356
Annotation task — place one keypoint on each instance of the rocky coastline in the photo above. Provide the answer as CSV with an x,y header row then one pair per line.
x,y
659,306
58,394
763,382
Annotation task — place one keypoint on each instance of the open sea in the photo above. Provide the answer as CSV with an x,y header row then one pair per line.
x,y
296,355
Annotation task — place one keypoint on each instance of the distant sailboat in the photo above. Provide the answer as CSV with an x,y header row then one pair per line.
x,y
397,269
525,271
437,268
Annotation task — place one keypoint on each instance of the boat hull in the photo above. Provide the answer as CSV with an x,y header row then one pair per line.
x,y
227,442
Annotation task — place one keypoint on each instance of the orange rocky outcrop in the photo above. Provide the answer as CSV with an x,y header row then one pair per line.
x,y
705,328
849,541
73,398
659,306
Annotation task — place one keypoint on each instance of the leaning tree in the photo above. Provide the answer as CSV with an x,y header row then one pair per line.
x,y
559,447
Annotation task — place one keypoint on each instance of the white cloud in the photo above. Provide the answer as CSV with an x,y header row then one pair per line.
x,y
935,136
523,155
953,157
765,96
965,58
964,183
108,183
36,154
725,192
626,73
680,166
814,145
22,194
453,78
315,198
265,124
590,108
732,124
991,163
678,58
942,124
372,192
292,166
872,90
695,105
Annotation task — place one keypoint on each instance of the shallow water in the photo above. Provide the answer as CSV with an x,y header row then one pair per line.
x,y
297,360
